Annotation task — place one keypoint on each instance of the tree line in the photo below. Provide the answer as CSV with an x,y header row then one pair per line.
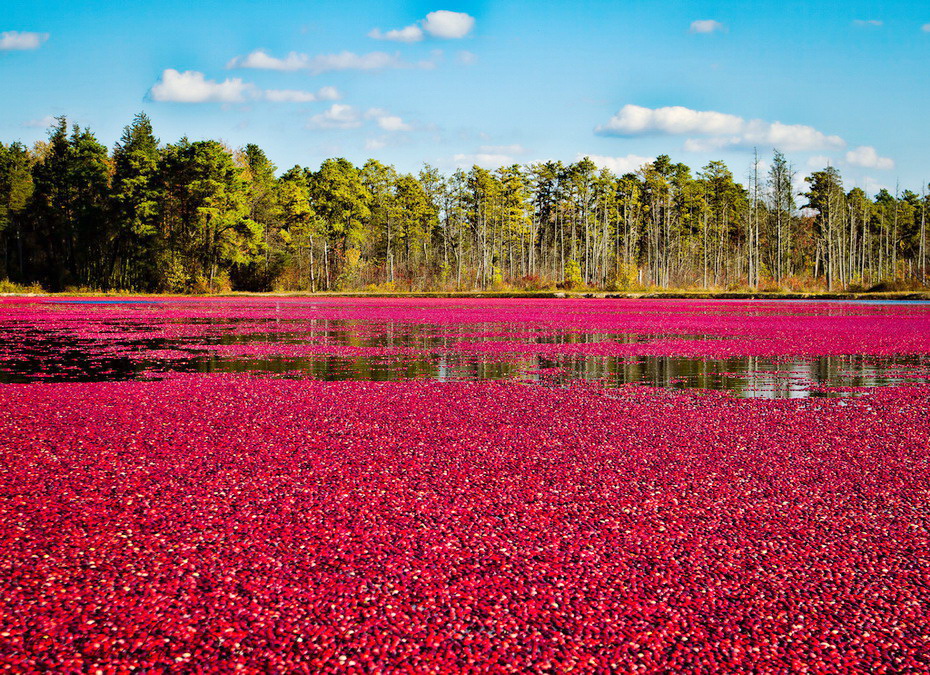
x,y
197,216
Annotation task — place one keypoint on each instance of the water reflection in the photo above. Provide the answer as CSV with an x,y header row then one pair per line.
x,y
123,350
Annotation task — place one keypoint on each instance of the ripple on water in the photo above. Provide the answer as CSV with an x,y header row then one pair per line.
x,y
739,347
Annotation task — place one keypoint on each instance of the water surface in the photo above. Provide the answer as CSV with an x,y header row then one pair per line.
x,y
127,339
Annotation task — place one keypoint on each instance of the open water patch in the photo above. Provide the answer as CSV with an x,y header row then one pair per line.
x,y
333,350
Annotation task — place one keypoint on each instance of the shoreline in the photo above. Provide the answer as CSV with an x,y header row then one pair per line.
x,y
614,295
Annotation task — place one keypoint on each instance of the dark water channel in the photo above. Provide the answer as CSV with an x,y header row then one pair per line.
x,y
29,354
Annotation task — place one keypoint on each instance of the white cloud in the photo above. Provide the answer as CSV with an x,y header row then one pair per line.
x,y
862,156
868,23
322,63
386,121
192,87
618,165
40,123
721,129
634,120
706,26
818,162
328,94
787,137
441,24
393,123
872,186
466,58
261,60
798,184
448,25
866,156
290,96
375,144
352,61
298,96
412,33
486,160
925,28
343,116
339,116
15,40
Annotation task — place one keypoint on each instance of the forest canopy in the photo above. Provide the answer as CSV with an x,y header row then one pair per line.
x,y
198,216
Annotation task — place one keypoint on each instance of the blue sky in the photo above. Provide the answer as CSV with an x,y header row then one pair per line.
x,y
487,82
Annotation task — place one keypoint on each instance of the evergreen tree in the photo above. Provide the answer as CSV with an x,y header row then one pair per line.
x,y
68,210
341,200
15,189
205,215
198,216
135,207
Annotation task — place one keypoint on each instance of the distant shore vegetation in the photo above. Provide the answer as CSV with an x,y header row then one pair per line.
x,y
198,216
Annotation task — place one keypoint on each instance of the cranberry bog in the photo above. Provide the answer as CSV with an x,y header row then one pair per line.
x,y
478,485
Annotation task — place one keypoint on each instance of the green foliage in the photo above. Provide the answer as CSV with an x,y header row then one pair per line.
x,y
16,188
205,212
68,208
9,287
15,182
134,199
351,268
445,271
626,277
196,216
340,197
573,278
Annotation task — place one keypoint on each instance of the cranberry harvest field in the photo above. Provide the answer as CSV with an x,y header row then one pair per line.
x,y
477,485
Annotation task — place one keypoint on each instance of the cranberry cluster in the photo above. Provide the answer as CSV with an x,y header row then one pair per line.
x,y
227,522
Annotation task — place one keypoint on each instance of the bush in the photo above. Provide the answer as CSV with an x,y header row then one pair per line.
x,y
352,268
769,285
386,287
445,272
203,286
532,282
626,277
7,286
897,286
176,277
796,284
572,275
